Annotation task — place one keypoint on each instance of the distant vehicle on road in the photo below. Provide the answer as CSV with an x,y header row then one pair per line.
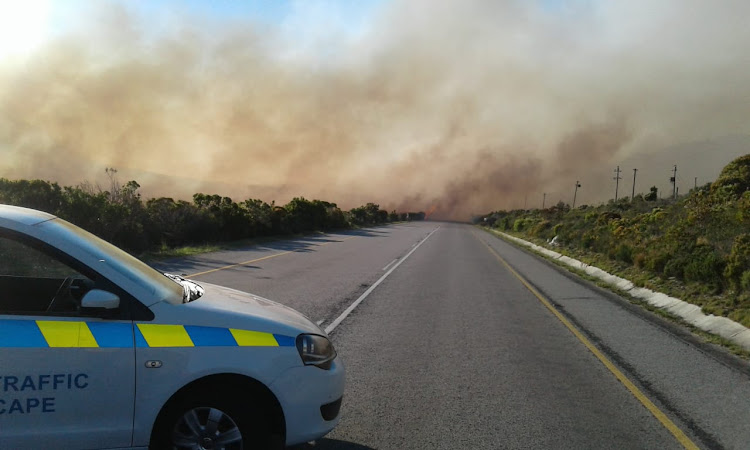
x,y
99,350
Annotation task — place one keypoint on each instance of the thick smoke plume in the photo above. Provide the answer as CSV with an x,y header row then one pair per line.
x,y
457,107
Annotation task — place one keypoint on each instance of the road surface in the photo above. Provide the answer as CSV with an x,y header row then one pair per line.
x,y
460,340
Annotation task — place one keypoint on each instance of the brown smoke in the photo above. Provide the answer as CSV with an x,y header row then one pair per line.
x,y
463,107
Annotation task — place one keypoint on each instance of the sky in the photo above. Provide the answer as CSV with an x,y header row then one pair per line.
x,y
459,108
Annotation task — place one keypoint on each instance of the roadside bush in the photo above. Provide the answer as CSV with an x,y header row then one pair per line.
x,y
605,217
675,268
369,214
639,260
739,261
745,281
540,228
702,238
656,261
119,215
743,208
733,181
588,240
624,253
705,266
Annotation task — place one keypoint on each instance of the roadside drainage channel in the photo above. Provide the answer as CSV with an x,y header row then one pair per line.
x,y
690,313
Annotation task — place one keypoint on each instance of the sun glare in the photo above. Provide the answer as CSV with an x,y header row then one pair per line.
x,y
23,26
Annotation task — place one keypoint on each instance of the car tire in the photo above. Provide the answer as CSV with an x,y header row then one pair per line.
x,y
213,422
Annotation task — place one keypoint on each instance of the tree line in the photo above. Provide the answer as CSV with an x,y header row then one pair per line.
x,y
119,214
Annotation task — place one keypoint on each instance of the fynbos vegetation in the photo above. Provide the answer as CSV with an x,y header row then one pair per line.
x,y
122,217
696,247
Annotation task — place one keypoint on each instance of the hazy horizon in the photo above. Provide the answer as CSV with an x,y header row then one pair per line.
x,y
460,107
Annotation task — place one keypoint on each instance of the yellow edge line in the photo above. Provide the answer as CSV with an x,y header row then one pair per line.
x,y
653,409
255,260
238,264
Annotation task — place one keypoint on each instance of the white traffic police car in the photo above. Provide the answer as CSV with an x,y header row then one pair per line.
x,y
99,350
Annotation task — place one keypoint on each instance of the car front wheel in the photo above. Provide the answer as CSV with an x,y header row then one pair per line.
x,y
206,427
211,423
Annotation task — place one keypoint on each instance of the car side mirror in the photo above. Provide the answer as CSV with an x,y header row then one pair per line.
x,y
97,298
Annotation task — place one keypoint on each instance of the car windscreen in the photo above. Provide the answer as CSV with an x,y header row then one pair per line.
x,y
135,270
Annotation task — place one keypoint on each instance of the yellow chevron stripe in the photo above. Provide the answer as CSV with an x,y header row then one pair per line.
x,y
165,335
246,338
66,334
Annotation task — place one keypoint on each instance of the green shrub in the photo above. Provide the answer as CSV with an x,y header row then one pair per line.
x,y
675,267
743,208
704,265
733,181
540,228
122,217
639,260
519,224
739,261
745,281
657,260
624,253
605,217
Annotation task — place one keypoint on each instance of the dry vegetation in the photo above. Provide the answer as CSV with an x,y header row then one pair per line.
x,y
696,247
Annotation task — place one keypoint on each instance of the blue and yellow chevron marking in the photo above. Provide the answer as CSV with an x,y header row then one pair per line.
x,y
75,334
164,335
66,334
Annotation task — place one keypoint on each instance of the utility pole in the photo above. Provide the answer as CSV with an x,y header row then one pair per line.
x,y
525,198
544,199
673,180
696,183
635,172
575,194
617,182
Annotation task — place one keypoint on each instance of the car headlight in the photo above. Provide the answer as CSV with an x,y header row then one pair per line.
x,y
315,350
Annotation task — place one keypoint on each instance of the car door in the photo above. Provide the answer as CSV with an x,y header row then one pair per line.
x,y
66,373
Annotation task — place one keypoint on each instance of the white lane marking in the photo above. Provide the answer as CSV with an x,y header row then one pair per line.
x,y
369,290
389,264
320,322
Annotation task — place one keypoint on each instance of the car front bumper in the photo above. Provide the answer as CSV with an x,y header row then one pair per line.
x,y
306,395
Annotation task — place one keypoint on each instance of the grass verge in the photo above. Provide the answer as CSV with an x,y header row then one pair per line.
x,y
718,304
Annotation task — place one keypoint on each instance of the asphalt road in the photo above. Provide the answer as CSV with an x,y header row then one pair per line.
x,y
452,350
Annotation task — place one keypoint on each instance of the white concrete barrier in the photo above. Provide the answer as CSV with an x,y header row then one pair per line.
x,y
689,312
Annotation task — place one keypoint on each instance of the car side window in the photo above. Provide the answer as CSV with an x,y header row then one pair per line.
x,y
35,283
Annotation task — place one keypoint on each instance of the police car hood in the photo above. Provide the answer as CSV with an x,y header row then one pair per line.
x,y
236,308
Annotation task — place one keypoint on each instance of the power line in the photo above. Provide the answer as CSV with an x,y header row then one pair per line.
x,y
617,182
575,194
